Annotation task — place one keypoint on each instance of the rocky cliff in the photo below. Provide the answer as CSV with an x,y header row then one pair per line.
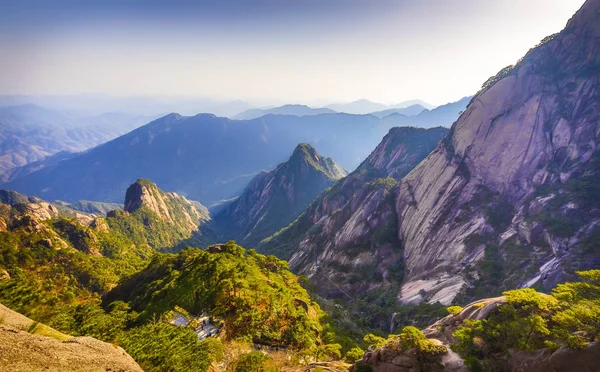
x,y
346,240
171,221
508,197
274,199
170,207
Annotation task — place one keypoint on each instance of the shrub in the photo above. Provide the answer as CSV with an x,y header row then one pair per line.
x,y
354,355
454,310
254,361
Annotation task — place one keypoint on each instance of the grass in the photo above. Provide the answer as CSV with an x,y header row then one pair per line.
x,y
37,328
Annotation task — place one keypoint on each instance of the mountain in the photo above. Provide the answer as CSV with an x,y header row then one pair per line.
x,y
444,115
406,111
364,106
203,157
30,133
167,220
137,105
414,102
346,239
91,207
274,199
508,199
294,110
360,107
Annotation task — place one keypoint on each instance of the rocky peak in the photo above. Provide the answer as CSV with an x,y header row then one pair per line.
x,y
463,222
273,199
306,157
169,206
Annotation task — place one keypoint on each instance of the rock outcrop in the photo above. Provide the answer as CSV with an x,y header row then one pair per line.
x,y
274,199
48,350
173,209
509,198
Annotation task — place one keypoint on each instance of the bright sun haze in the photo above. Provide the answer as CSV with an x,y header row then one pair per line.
x,y
269,51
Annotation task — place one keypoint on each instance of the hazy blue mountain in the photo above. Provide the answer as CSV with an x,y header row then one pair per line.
x,y
364,106
274,199
407,111
96,104
208,158
413,102
295,110
30,133
203,157
360,107
444,115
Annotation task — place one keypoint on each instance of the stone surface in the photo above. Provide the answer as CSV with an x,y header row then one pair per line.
x,y
21,351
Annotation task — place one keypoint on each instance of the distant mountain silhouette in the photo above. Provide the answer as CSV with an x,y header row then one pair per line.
x,y
444,116
364,106
407,111
294,110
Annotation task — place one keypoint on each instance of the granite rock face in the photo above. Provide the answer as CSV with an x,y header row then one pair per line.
x,y
169,206
533,126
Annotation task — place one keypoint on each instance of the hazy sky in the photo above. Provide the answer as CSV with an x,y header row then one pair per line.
x,y
269,51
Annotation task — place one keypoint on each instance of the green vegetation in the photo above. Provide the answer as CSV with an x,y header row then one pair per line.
x,y
79,280
530,321
354,355
256,296
454,310
254,361
158,346
409,338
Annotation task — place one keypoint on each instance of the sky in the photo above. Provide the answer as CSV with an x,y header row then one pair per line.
x,y
269,51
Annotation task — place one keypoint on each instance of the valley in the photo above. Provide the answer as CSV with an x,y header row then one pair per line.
x,y
359,236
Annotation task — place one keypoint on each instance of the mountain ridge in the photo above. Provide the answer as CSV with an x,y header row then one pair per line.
x,y
274,199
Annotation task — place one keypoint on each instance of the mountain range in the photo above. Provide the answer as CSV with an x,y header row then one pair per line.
x,y
294,110
231,152
508,199
364,106
31,133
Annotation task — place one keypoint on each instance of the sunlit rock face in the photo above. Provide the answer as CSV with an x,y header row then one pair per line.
x,y
507,199
532,132
346,241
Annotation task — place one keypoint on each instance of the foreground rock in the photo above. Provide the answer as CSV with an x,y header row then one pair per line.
x,y
21,351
